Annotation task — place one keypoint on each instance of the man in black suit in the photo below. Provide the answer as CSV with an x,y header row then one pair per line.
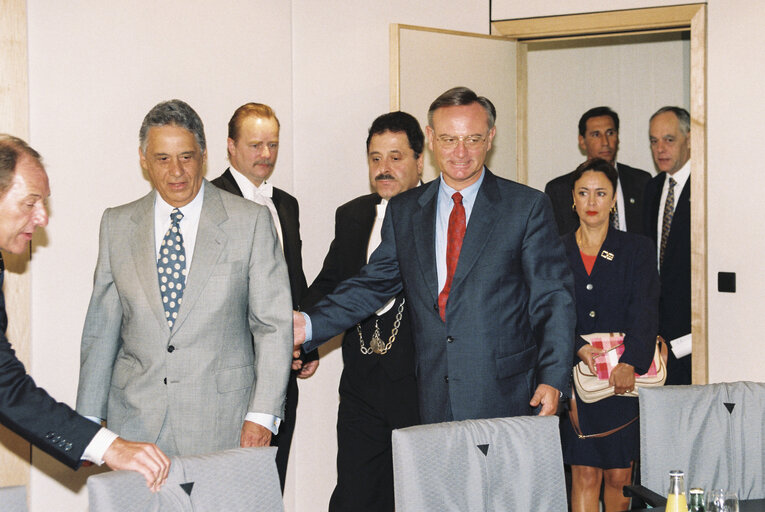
x,y
668,223
253,146
377,388
25,408
599,138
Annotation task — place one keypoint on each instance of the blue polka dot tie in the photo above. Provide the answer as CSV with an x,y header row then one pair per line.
x,y
171,268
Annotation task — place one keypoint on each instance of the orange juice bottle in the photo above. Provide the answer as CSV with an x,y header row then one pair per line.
x,y
676,494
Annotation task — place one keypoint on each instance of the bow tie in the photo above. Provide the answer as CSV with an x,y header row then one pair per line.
x,y
265,190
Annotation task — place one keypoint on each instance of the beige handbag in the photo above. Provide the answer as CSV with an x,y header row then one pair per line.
x,y
591,388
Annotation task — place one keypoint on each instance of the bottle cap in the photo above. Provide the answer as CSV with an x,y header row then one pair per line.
x,y
696,490
676,472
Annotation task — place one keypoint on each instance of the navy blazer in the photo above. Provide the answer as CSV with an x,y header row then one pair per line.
x,y
675,302
633,182
510,316
32,413
620,295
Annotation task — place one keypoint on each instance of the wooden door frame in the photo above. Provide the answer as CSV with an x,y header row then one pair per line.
x,y
690,18
15,453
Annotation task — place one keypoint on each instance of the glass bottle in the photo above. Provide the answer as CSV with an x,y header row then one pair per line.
x,y
676,494
697,500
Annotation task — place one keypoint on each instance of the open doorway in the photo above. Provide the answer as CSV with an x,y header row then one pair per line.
x,y
634,75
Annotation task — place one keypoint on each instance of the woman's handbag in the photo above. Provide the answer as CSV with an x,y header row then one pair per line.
x,y
591,388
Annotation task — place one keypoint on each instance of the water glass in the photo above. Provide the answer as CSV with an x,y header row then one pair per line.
x,y
720,500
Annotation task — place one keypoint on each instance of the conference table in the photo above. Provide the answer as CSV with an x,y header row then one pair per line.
x,y
743,506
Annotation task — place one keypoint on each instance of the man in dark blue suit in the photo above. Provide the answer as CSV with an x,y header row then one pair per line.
x,y
493,326
26,409
599,138
668,223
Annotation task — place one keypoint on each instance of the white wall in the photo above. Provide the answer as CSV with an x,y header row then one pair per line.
x,y
735,180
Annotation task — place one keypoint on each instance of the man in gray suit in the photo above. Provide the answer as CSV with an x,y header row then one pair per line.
x,y
189,349
484,274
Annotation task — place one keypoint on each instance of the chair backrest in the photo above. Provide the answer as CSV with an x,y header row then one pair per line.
x,y
488,465
232,480
713,432
13,499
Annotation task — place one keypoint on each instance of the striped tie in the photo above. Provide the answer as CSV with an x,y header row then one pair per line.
x,y
669,211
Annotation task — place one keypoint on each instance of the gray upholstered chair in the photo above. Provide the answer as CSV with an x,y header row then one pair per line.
x,y
488,465
715,433
233,480
13,499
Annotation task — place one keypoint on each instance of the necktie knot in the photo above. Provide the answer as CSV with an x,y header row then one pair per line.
x,y
175,216
457,198
672,182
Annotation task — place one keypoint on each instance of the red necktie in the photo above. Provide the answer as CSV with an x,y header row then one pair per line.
x,y
453,247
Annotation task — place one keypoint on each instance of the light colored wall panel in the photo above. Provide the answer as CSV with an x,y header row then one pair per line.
x,y
734,184
489,70
512,9
633,75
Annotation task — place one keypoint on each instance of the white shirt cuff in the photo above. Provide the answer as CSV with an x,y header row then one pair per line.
x,y
97,446
308,327
266,420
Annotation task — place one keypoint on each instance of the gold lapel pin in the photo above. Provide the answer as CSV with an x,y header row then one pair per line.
x,y
607,255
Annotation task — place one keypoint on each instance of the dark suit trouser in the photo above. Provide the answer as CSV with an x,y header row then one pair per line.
x,y
371,406
283,440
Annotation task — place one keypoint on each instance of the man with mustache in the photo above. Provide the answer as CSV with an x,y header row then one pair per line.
x,y
253,146
377,390
599,138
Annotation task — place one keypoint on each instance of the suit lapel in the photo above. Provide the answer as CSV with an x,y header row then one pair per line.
x,y
366,219
655,208
143,250
210,242
425,242
482,221
229,183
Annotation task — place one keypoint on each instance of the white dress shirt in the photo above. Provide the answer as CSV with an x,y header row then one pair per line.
x,y
262,195
681,178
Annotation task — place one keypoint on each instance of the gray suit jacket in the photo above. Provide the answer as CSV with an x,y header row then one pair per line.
x,y
205,375
510,316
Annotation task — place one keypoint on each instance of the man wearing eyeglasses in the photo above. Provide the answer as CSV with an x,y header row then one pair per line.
x,y
253,146
482,268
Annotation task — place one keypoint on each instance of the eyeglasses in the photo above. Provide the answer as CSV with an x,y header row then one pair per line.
x,y
470,141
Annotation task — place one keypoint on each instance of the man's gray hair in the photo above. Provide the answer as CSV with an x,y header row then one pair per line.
x,y
11,149
683,117
459,96
173,112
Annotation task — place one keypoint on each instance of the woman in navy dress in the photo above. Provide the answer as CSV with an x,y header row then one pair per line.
x,y
617,290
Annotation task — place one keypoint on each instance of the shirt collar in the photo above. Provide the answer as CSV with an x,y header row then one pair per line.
x,y
682,175
468,193
248,188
